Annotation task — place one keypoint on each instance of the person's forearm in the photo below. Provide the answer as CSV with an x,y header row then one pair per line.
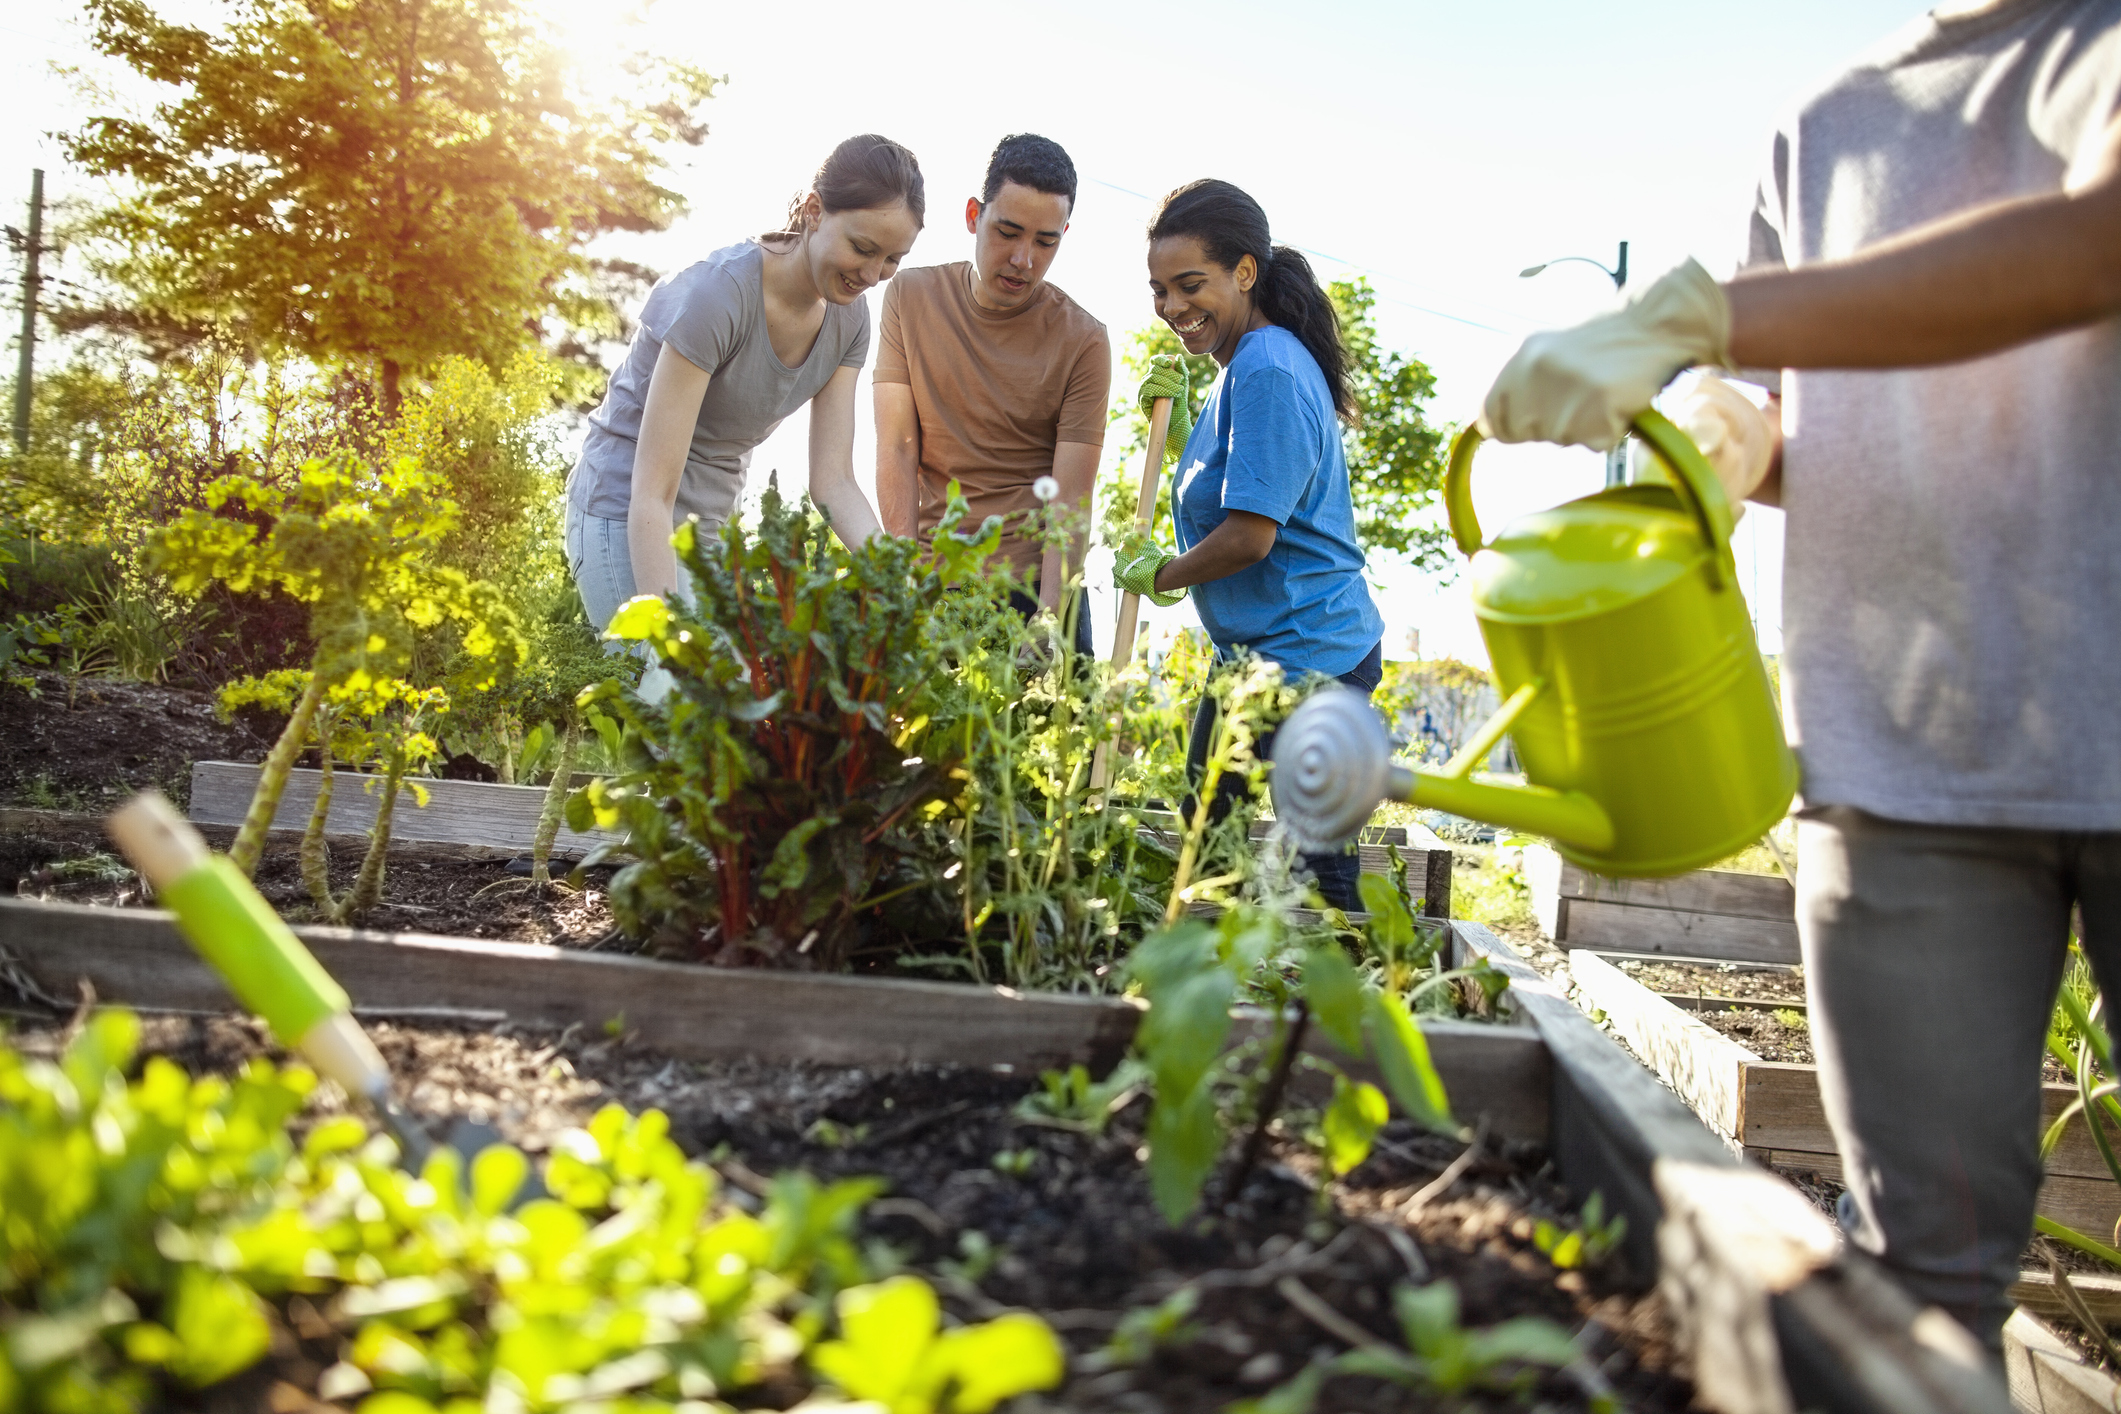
x,y
898,497
655,564
1240,542
1959,288
834,489
1075,475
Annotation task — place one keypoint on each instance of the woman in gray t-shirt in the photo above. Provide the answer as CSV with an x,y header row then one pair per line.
x,y
726,349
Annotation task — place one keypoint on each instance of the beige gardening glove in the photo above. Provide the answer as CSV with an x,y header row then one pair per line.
x,y
1584,385
1735,436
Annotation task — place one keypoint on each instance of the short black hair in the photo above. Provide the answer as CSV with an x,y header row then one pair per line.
x,y
1031,161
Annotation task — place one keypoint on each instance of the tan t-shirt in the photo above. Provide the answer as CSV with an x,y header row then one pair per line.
x,y
995,392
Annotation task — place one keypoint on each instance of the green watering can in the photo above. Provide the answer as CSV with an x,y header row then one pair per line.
x,y
1630,680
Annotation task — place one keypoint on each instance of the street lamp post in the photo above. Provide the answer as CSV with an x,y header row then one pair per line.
x,y
1616,461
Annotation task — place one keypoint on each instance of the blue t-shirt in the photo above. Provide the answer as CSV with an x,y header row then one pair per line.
x,y
1268,442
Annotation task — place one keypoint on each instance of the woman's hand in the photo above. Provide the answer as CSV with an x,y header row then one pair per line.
x,y
668,417
1135,566
1240,542
832,484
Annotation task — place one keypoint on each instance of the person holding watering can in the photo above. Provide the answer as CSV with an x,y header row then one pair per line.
x,y
726,349
1935,277
1260,500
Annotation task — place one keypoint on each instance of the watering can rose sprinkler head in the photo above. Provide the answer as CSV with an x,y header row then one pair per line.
x,y
1333,767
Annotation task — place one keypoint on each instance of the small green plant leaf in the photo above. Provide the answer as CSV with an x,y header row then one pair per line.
x,y
1403,1056
1351,1123
1335,991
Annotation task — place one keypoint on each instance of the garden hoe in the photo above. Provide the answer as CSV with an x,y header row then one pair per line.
x,y
1130,603
268,969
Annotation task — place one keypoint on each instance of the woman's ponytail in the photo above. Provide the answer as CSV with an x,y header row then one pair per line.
x,y
1231,225
863,173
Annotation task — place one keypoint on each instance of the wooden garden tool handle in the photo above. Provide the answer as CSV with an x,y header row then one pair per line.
x,y
1130,603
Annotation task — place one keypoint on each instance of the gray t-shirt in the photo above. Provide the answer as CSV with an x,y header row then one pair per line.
x,y
714,313
1952,577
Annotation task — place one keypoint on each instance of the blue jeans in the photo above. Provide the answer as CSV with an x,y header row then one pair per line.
x,y
1336,872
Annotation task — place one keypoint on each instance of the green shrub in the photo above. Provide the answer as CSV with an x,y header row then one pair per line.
x,y
361,547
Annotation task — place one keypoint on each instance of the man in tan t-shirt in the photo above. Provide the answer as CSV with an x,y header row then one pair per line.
x,y
988,376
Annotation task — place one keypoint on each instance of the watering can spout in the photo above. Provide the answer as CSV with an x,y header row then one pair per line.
x,y
1569,818
1333,766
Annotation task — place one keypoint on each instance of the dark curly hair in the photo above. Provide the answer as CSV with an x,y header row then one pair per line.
x,y
1031,161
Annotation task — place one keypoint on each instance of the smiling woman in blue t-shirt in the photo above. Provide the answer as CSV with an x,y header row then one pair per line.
x,y
1265,522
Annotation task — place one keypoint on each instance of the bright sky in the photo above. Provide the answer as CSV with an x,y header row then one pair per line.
x,y
1437,148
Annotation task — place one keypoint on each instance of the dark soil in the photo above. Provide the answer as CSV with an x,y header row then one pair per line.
x,y
1780,985
87,743
442,889
1068,1231
1763,1032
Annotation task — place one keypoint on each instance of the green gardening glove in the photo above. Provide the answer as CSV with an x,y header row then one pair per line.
x,y
1134,570
1167,379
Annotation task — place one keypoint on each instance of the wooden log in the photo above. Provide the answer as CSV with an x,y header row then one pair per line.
x,y
1771,1323
457,812
2046,1374
1619,927
136,956
2091,1205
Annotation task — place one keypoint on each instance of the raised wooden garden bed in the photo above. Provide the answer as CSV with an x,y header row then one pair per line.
x,y
475,813
1776,1317
1772,1108
1710,913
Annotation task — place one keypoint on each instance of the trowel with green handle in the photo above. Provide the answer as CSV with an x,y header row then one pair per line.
x,y
268,969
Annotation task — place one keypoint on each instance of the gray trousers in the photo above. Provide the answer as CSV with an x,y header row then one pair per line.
x,y
1932,955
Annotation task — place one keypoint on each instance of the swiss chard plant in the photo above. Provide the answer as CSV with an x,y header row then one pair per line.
x,y
160,1230
361,547
769,799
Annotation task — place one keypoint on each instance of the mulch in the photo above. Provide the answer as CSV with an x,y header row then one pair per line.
x,y
88,743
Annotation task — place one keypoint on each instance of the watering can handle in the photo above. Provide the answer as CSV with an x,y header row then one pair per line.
x,y
1700,488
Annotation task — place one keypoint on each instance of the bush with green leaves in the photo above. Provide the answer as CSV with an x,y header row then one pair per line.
x,y
361,546
1194,972
153,1232
769,798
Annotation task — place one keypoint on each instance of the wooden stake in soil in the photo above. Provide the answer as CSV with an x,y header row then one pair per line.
x,y
1130,603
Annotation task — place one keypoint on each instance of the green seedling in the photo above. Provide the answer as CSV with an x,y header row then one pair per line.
x,y
637,1282
1586,1245
829,1134
976,1256
892,1351
1793,1018
1440,1356
1070,1098
1144,1330
1016,1163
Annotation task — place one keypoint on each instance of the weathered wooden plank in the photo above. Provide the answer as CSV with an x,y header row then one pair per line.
x,y
137,957
1725,891
1497,1074
2047,1376
457,812
2090,1205
1707,1068
1616,927
1782,1110
2035,1291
